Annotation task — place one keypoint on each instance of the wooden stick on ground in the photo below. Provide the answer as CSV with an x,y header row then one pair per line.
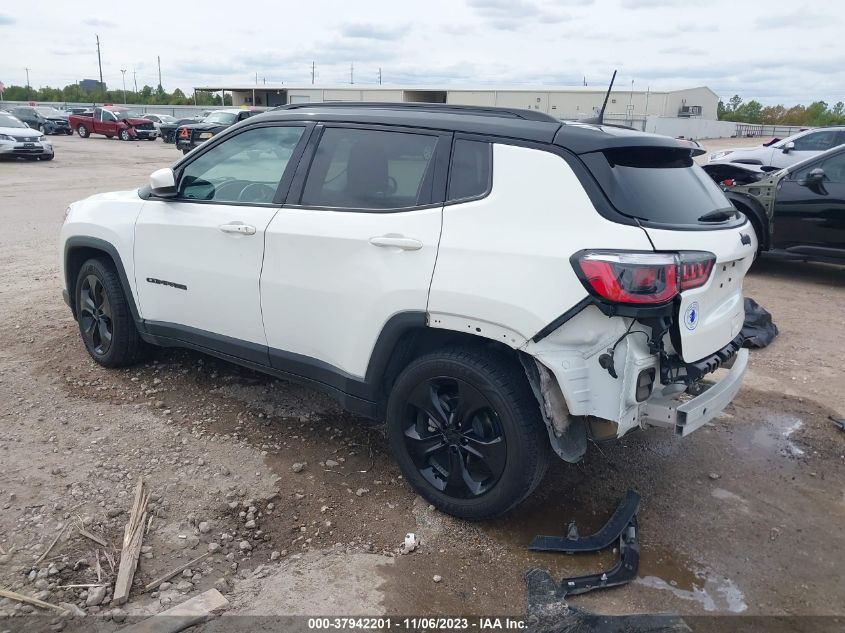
x,y
52,545
12,595
155,583
197,609
133,536
91,536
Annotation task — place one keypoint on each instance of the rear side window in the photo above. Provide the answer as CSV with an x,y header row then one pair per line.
x,y
470,174
659,185
371,169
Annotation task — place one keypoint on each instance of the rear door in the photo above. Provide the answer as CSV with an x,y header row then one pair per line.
x,y
683,210
356,246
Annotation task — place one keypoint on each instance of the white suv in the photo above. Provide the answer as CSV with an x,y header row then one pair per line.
x,y
493,283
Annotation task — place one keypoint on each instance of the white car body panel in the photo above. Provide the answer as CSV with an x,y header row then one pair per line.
x,y
774,154
327,292
503,269
109,217
711,316
181,242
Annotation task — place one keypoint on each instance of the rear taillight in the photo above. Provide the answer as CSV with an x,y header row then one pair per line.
x,y
695,269
641,278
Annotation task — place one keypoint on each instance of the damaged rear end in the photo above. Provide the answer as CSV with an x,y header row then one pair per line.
x,y
646,344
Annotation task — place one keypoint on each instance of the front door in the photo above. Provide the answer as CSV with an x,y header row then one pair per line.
x,y
810,214
357,248
807,146
198,257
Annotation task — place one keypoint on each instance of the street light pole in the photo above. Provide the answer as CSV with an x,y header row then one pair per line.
x,y
123,70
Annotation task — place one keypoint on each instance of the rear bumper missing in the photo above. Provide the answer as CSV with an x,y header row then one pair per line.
x,y
687,416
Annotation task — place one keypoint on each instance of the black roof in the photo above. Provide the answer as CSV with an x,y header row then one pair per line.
x,y
509,123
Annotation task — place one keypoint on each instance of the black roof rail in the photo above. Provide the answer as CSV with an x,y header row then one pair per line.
x,y
446,108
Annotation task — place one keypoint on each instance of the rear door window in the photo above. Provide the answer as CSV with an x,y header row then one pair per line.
x,y
356,168
658,185
471,171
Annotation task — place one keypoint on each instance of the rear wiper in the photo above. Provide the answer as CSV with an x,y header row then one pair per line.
x,y
719,215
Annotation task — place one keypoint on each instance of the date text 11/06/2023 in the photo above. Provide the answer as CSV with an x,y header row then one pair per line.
x,y
417,624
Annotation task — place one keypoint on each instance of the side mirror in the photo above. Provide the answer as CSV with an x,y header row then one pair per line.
x,y
788,147
163,183
814,177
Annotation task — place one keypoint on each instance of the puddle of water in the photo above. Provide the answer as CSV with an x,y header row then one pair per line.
x,y
712,592
774,435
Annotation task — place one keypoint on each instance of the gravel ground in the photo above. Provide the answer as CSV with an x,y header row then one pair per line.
x,y
301,505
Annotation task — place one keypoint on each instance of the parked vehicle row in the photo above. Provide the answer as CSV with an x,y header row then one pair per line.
x,y
493,283
191,135
18,140
45,119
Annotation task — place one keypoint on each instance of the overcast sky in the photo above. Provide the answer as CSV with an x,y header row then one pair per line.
x,y
778,51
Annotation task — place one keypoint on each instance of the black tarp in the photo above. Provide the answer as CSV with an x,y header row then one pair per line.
x,y
759,330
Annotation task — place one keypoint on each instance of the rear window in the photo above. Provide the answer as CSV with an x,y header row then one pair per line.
x,y
658,185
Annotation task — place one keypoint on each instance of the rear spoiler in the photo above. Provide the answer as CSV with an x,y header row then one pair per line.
x,y
582,138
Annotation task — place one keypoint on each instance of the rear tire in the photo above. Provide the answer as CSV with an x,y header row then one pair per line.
x,y
467,433
104,316
83,131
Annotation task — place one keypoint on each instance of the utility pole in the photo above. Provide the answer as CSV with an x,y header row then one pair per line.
x,y
100,64
313,71
135,80
27,83
158,57
123,70
256,79
352,73
379,75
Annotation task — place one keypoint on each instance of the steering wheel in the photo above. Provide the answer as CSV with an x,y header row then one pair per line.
x,y
392,186
229,190
257,192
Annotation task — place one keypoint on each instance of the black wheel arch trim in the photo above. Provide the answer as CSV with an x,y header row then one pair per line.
x,y
79,242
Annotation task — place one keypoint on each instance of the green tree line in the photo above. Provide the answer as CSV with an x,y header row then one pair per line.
x,y
146,96
815,114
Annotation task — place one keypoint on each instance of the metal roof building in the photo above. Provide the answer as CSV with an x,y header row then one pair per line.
x,y
561,102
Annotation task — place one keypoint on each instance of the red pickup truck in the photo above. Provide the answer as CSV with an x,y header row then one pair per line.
x,y
112,121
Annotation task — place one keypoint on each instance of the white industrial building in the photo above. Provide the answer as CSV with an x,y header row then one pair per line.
x,y
564,103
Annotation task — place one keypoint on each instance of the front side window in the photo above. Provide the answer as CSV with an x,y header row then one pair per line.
x,y
105,115
471,170
371,169
246,167
834,169
816,142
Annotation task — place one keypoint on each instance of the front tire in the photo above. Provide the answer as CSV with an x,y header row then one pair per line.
x,y
104,316
467,433
124,135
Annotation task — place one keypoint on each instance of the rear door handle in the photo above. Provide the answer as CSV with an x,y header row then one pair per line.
x,y
397,241
235,227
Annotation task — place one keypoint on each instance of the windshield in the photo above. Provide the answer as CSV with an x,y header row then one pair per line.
x,y
166,118
125,114
48,112
10,121
226,118
659,185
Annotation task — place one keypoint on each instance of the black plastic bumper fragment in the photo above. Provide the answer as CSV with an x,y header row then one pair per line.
x,y
616,524
541,583
673,369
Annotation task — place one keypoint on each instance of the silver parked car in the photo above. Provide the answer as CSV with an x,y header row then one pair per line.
x,y
784,152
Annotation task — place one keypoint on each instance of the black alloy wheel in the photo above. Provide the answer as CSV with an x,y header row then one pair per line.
x,y
95,316
454,437
467,431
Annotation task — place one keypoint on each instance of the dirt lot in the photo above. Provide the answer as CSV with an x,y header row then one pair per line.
x,y
745,516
